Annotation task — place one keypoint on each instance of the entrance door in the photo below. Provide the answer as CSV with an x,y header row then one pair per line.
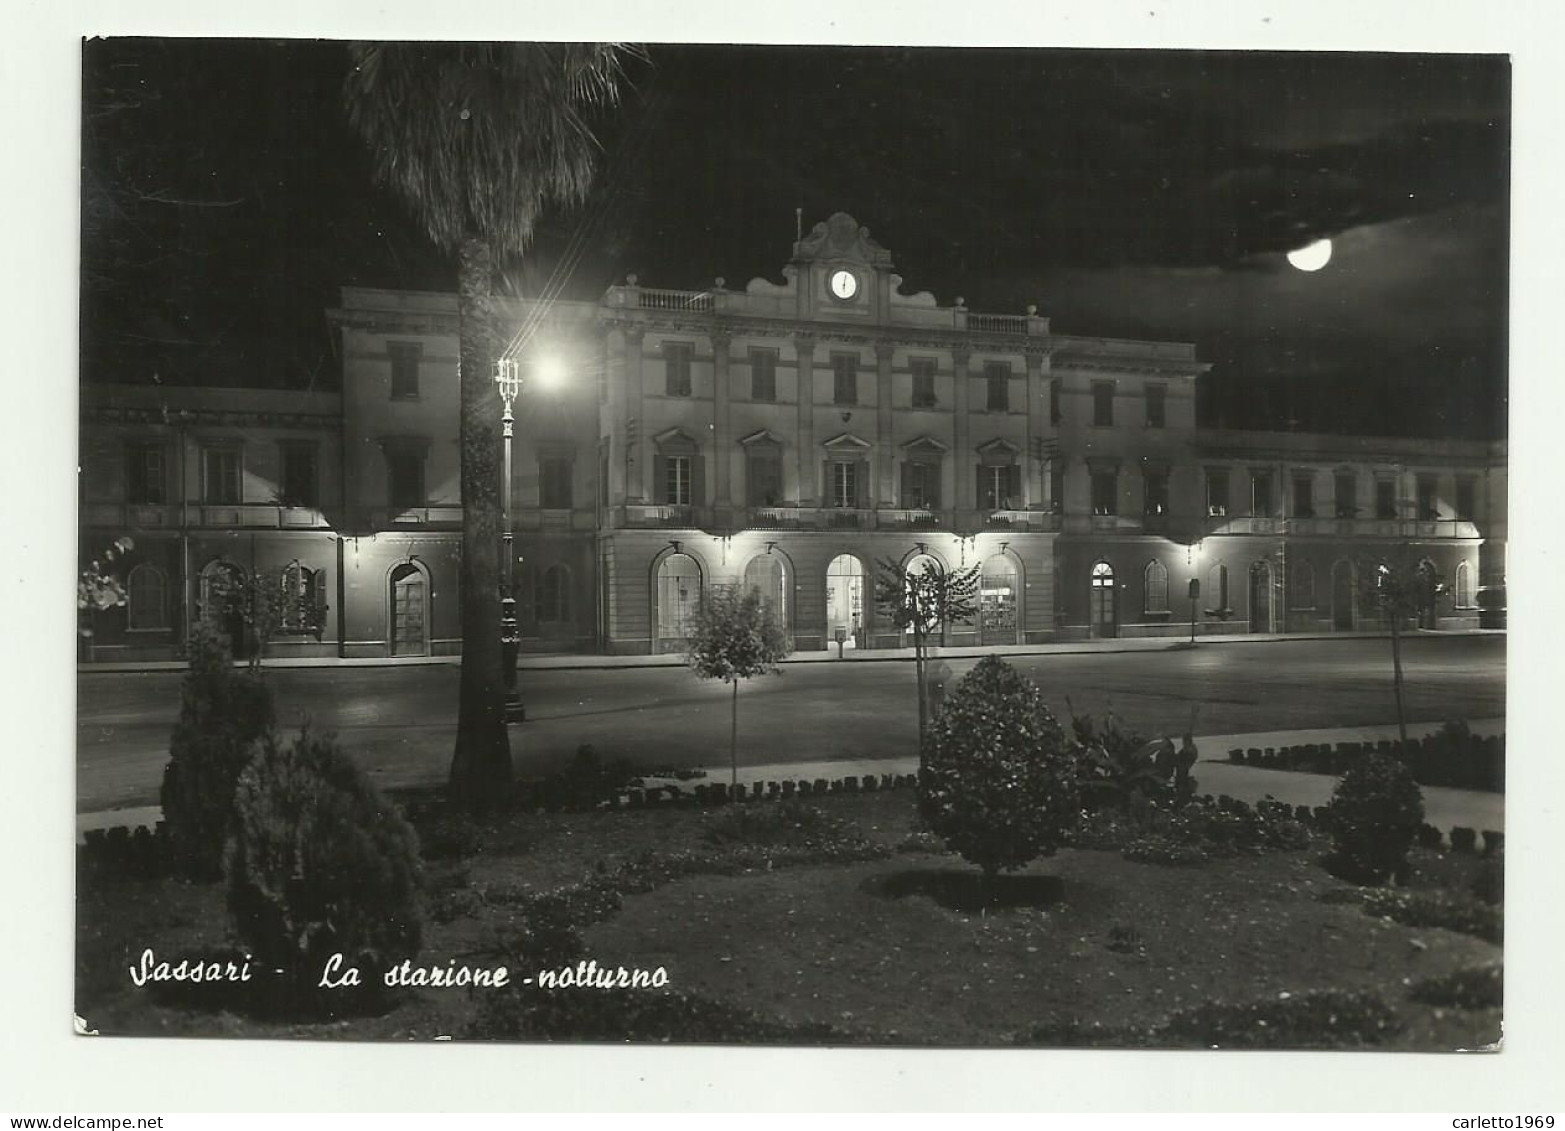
x,y
767,577
409,634
679,596
997,602
1427,588
844,600
1342,597
1101,601
1260,597
223,604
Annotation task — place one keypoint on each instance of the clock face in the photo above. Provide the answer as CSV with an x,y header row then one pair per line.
x,y
844,284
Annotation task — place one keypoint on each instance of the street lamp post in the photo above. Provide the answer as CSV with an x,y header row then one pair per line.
x,y
509,380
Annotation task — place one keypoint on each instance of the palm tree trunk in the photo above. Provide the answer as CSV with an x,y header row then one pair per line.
x,y
733,741
1396,677
923,697
481,765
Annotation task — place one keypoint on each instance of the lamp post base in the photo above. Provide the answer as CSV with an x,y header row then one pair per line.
x,y
515,711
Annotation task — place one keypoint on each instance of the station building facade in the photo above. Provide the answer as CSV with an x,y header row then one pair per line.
x,y
790,437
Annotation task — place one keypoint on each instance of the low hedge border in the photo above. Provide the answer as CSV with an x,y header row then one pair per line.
x,y
1466,762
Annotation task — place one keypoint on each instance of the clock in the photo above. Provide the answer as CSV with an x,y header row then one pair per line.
x,y
844,284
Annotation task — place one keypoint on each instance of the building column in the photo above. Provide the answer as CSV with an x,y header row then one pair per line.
x,y
722,439
961,448
885,440
1036,404
804,357
638,445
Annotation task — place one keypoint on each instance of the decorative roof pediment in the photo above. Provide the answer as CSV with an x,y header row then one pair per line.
x,y
676,438
764,438
925,443
847,441
998,446
841,237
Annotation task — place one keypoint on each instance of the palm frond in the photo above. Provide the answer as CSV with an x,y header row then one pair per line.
x,y
479,139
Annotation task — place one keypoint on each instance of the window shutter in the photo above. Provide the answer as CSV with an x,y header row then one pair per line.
x,y
659,479
1013,485
906,497
828,489
697,480
978,481
861,493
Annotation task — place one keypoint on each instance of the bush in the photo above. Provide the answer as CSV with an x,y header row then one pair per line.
x,y
998,782
786,822
1454,911
1489,881
587,783
223,713
320,863
1374,815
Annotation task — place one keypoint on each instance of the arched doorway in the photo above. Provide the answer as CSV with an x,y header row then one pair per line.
x,y
1101,618
553,607
845,600
223,604
768,576
1342,596
997,602
407,618
678,598
1260,597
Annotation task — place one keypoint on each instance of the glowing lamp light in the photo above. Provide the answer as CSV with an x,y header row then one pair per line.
x,y
1311,257
551,372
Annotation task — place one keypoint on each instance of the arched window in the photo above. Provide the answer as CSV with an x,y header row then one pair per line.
x,y
1302,591
301,599
845,599
1154,582
147,590
997,601
678,597
1464,586
768,577
1217,588
552,599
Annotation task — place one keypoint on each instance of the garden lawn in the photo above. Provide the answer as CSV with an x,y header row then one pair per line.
x,y
887,950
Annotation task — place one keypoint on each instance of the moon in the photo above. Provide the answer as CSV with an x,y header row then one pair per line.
x,y
1311,257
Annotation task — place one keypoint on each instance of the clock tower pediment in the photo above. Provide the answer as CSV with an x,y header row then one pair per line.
x,y
843,270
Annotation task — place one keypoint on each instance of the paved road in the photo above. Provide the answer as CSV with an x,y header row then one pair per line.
x,y
399,722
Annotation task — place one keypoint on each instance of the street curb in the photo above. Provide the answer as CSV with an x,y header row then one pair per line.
x,y
565,663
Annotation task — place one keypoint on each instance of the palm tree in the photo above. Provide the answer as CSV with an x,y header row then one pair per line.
x,y
478,140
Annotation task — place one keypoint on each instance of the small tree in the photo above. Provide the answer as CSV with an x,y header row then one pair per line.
x,y
1375,814
734,637
921,602
999,779
1399,593
97,588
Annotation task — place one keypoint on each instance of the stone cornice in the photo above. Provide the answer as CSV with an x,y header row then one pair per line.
x,y
396,322
918,337
228,418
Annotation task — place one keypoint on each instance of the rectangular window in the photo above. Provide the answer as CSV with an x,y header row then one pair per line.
x,y
405,358
1385,498
844,484
923,382
763,478
405,479
1217,492
1156,398
1156,491
1428,498
1345,488
1466,499
1304,496
676,368
220,475
999,487
554,482
763,374
298,480
1261,504
676,481
1105,492
1054,400
845,378
921,486
146,481
997,379
1103,404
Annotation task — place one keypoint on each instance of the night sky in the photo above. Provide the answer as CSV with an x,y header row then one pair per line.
x,y
1131,193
